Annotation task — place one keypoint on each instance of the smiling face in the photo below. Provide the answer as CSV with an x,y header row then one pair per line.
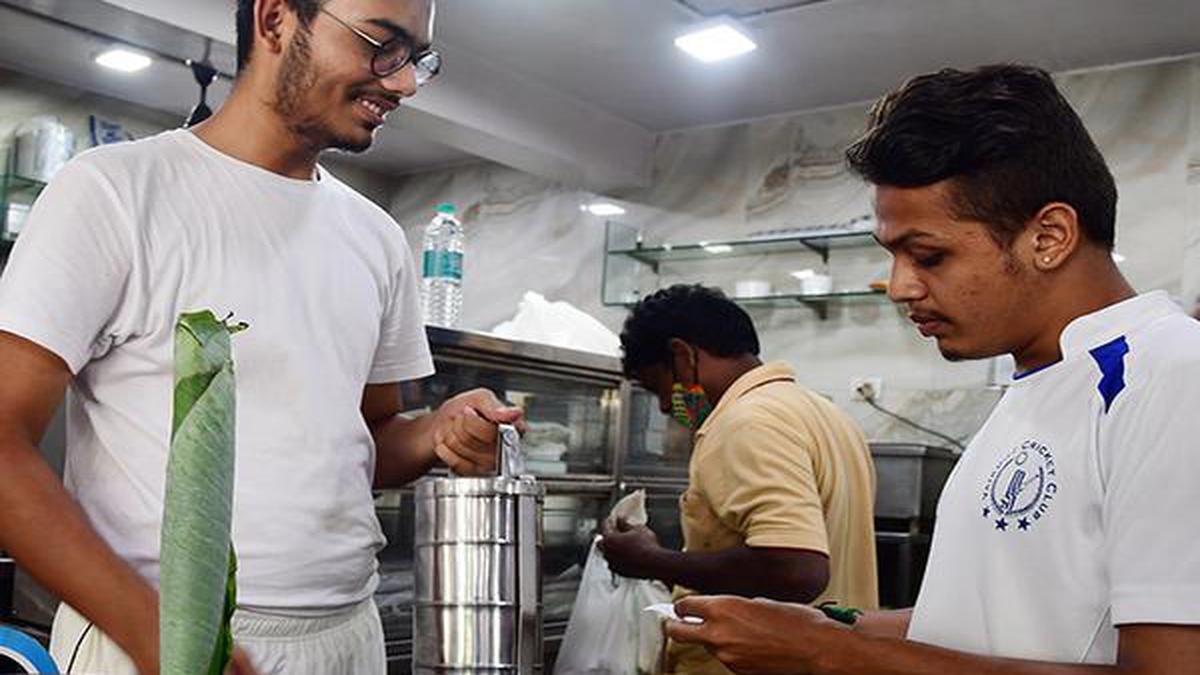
x,y
959,284
325,89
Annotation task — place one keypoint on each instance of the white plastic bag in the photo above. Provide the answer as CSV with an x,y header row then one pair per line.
x,y
608,633
558,323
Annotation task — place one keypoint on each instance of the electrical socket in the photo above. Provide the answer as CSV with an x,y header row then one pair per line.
x,y
866,388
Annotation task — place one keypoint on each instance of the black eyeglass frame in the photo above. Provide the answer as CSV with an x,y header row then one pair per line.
x,y
427,63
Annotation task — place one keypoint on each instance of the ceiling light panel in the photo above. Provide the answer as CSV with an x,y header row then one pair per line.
x,y
716,40
124,60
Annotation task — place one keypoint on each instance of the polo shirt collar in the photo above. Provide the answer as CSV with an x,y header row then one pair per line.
x,y
750,380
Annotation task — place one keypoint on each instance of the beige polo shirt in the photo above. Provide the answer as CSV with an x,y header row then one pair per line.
x,y
777,465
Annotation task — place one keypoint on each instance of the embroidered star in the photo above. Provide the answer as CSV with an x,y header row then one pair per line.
x,y
987,511
1023,523
1002,524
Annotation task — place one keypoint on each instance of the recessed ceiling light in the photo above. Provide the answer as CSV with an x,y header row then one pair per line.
x,y
124,60
603,209
716,40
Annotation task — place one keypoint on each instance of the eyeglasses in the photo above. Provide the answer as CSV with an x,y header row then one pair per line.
x,y
393,55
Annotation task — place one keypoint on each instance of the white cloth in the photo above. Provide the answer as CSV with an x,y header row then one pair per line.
x,y
129,236
1070,512
348,643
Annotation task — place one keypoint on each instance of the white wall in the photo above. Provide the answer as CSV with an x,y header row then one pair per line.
x,y
527,233
22,97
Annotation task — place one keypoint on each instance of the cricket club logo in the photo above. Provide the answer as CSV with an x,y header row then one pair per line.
x,y
1021,490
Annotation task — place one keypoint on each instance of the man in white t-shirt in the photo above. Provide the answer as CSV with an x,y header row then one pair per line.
x,y
234,216
1064,540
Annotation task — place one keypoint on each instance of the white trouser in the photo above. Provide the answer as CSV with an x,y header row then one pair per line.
x,y
349,643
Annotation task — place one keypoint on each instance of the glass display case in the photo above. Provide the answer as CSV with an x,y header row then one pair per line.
x,y
658,448
571,399
656,461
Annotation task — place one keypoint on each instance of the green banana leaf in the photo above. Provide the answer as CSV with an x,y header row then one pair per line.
x,y
197,591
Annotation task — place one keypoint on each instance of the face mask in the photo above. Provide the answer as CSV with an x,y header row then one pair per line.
x,y
689,405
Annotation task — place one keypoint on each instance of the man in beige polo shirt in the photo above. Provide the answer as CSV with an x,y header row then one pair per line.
x,y
781,484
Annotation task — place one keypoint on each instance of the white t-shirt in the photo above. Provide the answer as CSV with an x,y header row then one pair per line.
x,y
1073,510
125,239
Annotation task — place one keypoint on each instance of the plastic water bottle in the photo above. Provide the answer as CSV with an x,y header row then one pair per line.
x,y
442,268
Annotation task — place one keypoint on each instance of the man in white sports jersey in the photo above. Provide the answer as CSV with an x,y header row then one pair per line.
x,y
237,217
1065,540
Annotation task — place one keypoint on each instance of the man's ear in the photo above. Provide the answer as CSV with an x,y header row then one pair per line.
x,y
270,25
1053,235
683,360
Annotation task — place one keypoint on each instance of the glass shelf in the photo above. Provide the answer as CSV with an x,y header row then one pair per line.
x,y
19,188
778,298
14,190
820,303
820,242
633,269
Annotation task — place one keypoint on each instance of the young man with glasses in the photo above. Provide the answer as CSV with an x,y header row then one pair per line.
x,y
235,216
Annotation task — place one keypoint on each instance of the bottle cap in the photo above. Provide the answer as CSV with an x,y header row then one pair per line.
x,y
444,208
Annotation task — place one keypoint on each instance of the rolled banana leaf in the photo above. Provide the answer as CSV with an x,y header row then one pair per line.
x,y
198,594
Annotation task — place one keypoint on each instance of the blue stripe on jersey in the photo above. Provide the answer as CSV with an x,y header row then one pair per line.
x,y
1110,357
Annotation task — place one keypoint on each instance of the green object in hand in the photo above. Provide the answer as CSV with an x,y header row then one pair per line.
x,y
198,593
846,615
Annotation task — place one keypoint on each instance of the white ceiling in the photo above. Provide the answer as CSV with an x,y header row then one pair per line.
x,y
576,90
619,54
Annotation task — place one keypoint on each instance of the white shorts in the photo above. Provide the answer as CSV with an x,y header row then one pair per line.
x,y
349,643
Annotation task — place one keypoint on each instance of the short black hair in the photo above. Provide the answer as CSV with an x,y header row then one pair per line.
x,y
702,317
306,10
1005,136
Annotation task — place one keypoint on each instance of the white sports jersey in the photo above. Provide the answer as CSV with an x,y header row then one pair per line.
x,y
1072,511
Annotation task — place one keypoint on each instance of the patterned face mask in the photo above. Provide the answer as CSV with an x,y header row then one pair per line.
x,y
689,405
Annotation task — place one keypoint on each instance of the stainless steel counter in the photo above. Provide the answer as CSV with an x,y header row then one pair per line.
x,y
909,480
